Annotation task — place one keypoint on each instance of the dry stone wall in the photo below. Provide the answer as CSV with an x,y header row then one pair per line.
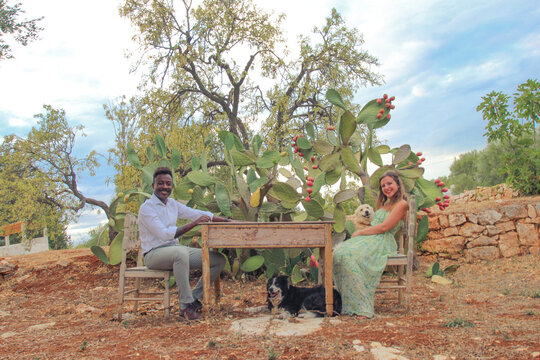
x,y
500,226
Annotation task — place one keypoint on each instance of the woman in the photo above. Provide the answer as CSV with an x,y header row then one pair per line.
x,y
360,261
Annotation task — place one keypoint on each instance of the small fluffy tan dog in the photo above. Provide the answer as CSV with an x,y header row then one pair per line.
x,y
363,216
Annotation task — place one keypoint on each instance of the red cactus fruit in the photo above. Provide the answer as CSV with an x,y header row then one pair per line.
x,y
444,189
308,199
309,178
437,181
295,138
447,196
392,98
441,184
409,163
419,154
437,199
388,116
312,158
309,183
392,107
419,162
379,101
295,150
385,96
379,116
300,154
315,167
309,190
423,159
330,127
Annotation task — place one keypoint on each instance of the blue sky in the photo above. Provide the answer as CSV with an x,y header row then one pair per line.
x,y
438,58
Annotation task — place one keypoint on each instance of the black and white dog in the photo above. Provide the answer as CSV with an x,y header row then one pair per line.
x,y
291,299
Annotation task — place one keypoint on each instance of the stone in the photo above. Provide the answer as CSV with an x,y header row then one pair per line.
x,y
470,229
489,217
443,220
41,326
450,245
531,211
433,223
456,219
380,352
492,230
434,235
509,244
505,226
528,235
450,231
482,253
472,218
514,211
482,241
8,334
537,207
534,250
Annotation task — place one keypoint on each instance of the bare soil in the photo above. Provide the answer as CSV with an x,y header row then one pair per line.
x,y
62,305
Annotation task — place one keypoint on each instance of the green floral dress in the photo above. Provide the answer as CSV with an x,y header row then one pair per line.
x,y
358,265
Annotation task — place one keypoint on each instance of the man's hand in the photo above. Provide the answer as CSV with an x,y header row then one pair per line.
x,y
202,219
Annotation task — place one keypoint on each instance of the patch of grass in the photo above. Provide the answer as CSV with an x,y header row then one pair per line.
x,y
83,346
506,291
459,322
272,355
125,324
536,295
531,313
211,344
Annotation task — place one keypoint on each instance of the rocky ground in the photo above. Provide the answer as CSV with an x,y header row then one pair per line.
x,y
62,305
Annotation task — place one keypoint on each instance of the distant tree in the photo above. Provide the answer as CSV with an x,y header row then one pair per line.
x,y
464,172
49,149
516,129
22,31
21,197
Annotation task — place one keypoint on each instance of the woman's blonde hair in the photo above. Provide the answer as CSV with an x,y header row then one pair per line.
x,y
382,199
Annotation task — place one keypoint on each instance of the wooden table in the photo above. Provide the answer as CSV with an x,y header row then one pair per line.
x,y
262,235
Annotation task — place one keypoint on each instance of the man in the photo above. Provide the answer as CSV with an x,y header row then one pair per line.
x,y
162,251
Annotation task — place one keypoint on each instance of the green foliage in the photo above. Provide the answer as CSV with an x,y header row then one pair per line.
x,y
516,129
458,322
22,32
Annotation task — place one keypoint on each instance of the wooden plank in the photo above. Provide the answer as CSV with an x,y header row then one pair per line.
x,y
205,266
262,236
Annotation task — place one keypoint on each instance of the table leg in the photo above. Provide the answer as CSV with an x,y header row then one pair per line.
x,y
205,267
328,284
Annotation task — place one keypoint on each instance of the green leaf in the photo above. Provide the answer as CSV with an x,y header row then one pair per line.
x,y
383,149
160,145
132,157
374,156
256,143
115,251
195,163
222,199
333,96
350,161
331,177
181,190
243,189
200,178
320,180
323,147
176,158
368,114
303,143
344,195
422,230
339,218
284,192
413,173
347,126
209,140
241,158
310,130
268,159
429,188
402,154
227,138
332,138
329,162
252,263
100,253
150,154
296,275
204,164
313,208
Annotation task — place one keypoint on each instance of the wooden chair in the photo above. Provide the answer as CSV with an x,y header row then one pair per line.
x,y
131,241
404,260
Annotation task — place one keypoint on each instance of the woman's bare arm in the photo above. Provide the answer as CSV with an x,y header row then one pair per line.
x,y
398,212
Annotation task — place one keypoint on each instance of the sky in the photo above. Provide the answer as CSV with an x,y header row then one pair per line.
x,y
438,59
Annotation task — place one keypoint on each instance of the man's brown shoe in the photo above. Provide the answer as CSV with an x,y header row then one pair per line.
x,y
190,312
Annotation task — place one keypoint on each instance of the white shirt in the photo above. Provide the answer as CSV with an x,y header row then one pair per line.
x,y
157,221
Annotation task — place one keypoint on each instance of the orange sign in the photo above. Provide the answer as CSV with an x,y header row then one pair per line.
x,y
11,228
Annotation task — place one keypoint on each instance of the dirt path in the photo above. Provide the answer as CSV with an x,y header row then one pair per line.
x,y
61,305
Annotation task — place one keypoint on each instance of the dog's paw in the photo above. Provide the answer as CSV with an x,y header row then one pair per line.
x,y
284,315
